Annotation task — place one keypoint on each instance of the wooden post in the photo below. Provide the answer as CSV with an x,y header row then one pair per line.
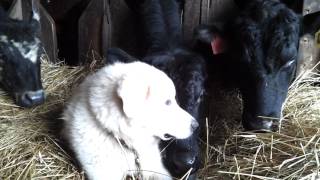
x,y
48,34
94,30
191,18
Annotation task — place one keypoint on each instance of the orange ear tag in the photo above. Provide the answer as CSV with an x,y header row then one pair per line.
x,y
218,45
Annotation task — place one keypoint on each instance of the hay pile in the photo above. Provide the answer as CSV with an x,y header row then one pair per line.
x,y
31,149
291,153
29,146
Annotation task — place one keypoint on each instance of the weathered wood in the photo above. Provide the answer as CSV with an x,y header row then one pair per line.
x,y
205,11
59,9
48,34
106,31
126,31
94,30
66,14
221,10
15,11
191,18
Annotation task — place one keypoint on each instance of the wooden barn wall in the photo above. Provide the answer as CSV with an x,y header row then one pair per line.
x,y
125,27
125,30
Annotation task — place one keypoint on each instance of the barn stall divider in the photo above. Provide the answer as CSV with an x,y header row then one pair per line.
x,y
31,147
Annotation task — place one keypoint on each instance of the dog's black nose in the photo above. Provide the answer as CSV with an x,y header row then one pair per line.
x,y
194,125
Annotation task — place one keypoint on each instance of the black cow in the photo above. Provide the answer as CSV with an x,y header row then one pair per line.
x,y
166,51
19,59
260,49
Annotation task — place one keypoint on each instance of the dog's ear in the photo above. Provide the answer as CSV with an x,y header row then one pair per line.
x,y
134,94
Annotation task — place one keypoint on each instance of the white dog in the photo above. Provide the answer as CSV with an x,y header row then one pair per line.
x,y
116,118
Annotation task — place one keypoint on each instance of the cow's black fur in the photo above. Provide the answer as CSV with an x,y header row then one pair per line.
x,y
166,51
262,53
18,75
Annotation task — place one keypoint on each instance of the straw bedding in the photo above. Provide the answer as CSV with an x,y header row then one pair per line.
x,y
291,153
30,147
29,142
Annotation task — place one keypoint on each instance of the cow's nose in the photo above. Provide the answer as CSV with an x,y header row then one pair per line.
x,y
31,98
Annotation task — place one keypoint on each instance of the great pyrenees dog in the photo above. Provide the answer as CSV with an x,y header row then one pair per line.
x,y
116,118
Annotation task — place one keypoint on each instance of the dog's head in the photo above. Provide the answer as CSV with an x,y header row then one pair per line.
x,y
148,101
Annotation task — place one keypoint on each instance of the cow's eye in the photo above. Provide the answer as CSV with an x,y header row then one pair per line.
x,y
168,102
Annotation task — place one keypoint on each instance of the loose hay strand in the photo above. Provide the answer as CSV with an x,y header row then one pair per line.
x,y
31,149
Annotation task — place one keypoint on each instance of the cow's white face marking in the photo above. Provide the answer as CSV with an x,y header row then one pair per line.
x,y
4,39
36,16
27,50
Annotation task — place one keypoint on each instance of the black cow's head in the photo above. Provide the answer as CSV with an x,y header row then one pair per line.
x,y
19,59
263,53
188,72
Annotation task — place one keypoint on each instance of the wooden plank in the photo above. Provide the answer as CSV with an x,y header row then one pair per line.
x,y
94,30
48,34
126,29
205,11
66,15
106,31
191,18
221,10
58,9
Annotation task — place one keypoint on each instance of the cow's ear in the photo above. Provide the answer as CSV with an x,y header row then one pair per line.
x,y
212,36
204,33
118,55
134,93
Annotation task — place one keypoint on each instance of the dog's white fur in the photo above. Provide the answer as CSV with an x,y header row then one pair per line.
x,y
130,101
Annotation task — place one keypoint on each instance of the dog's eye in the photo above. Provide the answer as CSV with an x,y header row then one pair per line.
x,y
168,102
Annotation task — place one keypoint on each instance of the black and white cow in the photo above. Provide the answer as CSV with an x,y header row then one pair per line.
x,y
260,49
19,59
166,50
